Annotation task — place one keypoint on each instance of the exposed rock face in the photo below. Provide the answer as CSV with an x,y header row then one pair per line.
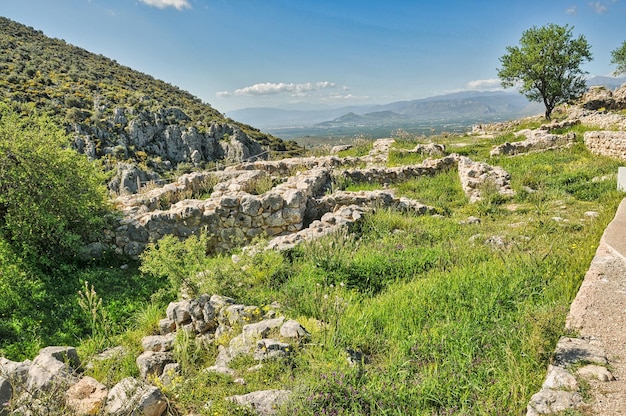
x,y
597,98
607,143
165,139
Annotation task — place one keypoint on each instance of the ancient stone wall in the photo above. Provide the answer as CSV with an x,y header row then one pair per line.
x,y
607,143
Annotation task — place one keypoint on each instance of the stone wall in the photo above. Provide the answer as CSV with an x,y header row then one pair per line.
x,y
229,217
607,143
297,207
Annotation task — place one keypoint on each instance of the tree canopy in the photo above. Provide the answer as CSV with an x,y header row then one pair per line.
x,y
52,199
546,65
619,59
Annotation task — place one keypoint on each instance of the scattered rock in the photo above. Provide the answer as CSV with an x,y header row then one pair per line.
x,y
575,350
265,402
133,397
86,397
552,401
597,372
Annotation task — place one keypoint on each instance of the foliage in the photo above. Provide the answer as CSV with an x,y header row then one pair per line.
x,y
547,64
52,200
619,58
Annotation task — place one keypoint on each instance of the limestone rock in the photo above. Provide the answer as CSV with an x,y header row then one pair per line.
x,y
559,378
158,343
86,397
153,363
264,402
607,143
13,370
6,393
552,401
270,348
132,397
53,366
293,330
597,372
575,350
261,329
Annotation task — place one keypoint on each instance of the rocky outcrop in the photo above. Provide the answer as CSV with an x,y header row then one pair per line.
x,y
161,140
607,143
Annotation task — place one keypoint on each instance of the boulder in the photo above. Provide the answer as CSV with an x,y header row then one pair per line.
x,y
6,393
15,371
86,397
158,343
264,402
53,367
133,397
153,363
293,330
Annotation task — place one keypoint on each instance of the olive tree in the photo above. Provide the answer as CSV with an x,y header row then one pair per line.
x,y
546,65
619,59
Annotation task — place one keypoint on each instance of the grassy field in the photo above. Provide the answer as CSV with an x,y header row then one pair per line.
x,y
451,318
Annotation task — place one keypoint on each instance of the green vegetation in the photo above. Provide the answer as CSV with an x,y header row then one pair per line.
x,y
52,203
547,64
448,317
619,58
453,318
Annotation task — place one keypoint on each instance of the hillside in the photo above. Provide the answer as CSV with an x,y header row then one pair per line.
x,y
120,115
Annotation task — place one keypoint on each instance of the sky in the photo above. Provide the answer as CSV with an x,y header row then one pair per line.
x,y
237,54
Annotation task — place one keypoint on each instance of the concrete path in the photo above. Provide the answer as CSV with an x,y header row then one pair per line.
x,y
598,314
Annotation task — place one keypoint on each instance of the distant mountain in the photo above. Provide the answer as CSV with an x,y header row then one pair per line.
x,y
608,82
471,106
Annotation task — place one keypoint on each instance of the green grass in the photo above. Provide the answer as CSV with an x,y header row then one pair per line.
x,y
452,318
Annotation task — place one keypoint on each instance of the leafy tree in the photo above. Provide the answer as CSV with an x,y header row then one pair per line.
x,y
619,59
52,199
547,65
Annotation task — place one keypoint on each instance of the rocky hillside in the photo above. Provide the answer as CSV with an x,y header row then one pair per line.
x,y
142,128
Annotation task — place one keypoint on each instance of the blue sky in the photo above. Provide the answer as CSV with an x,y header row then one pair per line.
x,y
269,53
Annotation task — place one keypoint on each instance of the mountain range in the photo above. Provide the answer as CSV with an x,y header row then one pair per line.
x,y
455,110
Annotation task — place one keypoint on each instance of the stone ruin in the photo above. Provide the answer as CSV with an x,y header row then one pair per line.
x,y
54,381
300,204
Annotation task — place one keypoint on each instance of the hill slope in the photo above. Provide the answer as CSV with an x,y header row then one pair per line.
x,y
118,114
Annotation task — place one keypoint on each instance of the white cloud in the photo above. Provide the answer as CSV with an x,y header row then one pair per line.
x,y
223,94
485,84
272,88
599,7
162,4
571,10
